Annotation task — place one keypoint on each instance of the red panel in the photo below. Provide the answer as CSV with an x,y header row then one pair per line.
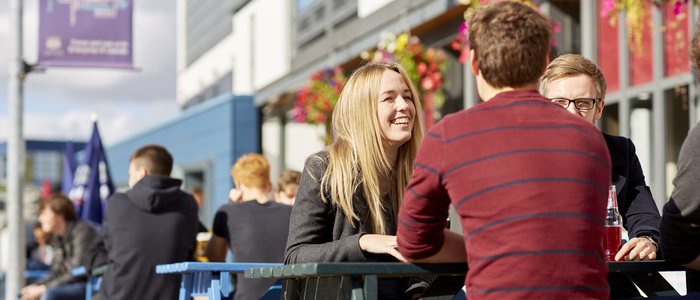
x,y
642,58
676,41
608,47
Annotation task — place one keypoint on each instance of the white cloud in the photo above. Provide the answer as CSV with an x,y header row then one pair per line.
x,y
114,122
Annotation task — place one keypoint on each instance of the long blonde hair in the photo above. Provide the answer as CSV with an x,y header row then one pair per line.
x,y
357,156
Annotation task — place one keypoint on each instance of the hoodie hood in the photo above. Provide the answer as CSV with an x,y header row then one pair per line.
x,y
155,192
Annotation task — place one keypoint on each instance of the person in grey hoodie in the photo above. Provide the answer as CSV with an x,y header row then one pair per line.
x,y
153,223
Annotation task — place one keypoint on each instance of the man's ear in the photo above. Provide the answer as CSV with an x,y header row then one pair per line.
x,y
473,63
599,109
142,172
269,187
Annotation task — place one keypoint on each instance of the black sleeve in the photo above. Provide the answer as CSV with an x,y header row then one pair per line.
x,y
680,223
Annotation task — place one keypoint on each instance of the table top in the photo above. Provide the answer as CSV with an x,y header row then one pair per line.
x,y
189,267
393,269
397,269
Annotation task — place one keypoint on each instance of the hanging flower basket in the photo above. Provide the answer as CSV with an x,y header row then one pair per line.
x,y
425,67
316,100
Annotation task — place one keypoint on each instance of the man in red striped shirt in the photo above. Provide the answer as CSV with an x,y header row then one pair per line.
x,y
529,180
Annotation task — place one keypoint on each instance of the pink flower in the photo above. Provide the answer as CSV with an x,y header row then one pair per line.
x,y
556,27
455,45
427,83
464,28
677,7
463,56
421,68
608,6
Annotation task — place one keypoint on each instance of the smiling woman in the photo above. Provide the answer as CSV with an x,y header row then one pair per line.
x,y
350,193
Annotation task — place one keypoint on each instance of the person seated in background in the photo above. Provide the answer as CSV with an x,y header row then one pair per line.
x,y
287,186
71,240
528,180
350,192
577,84
680,221
254,227
40,254
152,223
198,195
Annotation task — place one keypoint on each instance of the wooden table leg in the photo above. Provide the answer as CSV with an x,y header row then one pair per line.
x,y
215,287
186,286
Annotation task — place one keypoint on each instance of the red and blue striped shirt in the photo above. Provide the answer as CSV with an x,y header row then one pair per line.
x,y
529,181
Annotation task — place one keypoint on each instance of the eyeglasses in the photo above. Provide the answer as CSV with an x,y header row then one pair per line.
x,y
580,103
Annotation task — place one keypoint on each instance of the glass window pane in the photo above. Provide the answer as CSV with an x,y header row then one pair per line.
x,y
677,126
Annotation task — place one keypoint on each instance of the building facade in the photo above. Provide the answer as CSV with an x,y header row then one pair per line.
x,y
43,161
204,141
269,49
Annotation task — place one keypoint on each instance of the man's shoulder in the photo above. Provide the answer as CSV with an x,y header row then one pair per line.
x,y
616,140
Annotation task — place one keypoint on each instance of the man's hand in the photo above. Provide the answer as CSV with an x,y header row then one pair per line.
x,y
235,195
33,291
639,248
380,244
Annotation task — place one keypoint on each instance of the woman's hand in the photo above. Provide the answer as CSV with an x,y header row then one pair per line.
x,y
33,291
639,248
380,244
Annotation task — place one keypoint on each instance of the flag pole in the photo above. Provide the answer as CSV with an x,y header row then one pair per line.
x,y
15,155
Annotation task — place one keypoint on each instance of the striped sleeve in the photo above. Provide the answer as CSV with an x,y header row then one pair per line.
x,y
424,210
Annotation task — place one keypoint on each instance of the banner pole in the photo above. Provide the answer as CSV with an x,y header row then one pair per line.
x,y
15,156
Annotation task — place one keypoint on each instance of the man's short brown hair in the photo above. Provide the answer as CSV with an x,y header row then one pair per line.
x,y
511,43
288,178
154,158
59,204
252,170
573,65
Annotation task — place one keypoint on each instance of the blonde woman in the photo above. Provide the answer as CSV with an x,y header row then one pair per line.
x,y
349,194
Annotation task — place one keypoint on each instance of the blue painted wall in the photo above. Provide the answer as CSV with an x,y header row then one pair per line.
x,y
215,133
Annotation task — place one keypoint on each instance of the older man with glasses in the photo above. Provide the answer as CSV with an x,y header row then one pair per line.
x,y
572,78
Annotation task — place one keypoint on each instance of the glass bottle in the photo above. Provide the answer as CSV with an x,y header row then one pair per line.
x,y
612,236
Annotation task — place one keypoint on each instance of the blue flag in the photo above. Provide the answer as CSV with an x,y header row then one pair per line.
x,y
92,184
69,165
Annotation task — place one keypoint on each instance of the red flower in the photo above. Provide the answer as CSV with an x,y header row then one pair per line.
x,y
422,68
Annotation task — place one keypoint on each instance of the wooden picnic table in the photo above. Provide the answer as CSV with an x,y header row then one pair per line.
x,y
206,279
359,280
347,280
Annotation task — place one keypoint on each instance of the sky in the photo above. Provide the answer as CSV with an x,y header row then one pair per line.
x,y
58,103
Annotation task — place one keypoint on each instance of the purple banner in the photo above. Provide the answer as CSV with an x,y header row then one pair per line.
x,y
85,33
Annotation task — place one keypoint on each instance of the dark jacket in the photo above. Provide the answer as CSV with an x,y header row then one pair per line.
x,y
320,232
69,252
153,223
640,216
